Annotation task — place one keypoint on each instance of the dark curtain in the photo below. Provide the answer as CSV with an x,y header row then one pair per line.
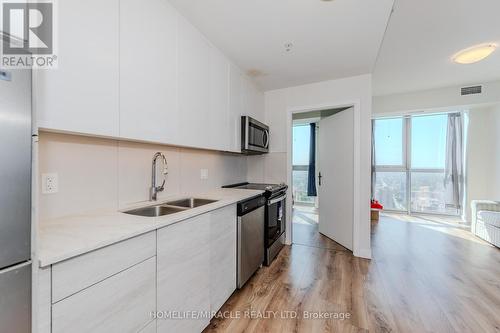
x,y
311,181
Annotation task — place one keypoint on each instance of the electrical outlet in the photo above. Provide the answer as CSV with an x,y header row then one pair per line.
x,y
50,183
204,174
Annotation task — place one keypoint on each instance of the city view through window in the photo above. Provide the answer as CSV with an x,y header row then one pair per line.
x,y
410,164
300,173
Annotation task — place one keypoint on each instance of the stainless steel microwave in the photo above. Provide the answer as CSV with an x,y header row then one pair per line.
x,y
254,136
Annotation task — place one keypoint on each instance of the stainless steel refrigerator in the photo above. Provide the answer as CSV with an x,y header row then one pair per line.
x,y
15,200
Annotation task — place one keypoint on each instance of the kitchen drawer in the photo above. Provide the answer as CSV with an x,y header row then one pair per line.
x,y
73,275
121,303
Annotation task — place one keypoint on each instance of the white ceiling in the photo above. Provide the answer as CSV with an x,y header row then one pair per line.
x,y
331,40
423,35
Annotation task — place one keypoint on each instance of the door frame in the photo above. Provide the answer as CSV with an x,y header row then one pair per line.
x,y
357,251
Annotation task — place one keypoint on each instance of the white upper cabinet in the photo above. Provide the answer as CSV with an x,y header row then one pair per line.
x,y
235,108
148,71
245,99
194,86
219,100
81,95
253,100
141,71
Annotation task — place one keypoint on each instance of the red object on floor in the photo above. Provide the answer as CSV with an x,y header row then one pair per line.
x,y
376,205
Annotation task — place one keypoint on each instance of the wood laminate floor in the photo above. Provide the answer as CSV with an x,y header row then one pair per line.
x,y
425,276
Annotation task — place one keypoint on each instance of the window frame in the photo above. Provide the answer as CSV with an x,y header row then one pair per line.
x,y
407,167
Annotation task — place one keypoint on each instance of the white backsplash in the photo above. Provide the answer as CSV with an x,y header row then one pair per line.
x,y
99,173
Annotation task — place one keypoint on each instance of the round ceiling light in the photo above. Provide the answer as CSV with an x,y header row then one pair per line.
x,y
474,54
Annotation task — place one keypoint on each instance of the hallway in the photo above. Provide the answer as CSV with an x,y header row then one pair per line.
x,y
305,229
424,277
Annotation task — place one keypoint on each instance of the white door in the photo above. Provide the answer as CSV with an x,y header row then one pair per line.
x,y
336,163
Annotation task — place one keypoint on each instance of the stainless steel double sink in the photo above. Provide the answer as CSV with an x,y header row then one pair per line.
x,y
170,207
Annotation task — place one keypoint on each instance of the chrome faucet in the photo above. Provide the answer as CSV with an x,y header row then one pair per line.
x,y
153,192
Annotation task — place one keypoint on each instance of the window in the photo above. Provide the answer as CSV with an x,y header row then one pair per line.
x,y
301,141
389,142
300,172
428,142
410,157
390,190
428,158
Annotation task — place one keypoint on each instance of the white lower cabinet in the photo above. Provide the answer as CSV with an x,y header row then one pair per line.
x,y
71,276
183,275
43,299
222,256
196,269
121,303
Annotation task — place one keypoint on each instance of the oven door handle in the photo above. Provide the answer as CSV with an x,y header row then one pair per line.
x,y
278,199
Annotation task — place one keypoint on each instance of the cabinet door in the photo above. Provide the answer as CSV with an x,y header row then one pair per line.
x,y
235,108
81,95
222,256
43,297
183,274
148,71
253,100
121,303
194,83
219,101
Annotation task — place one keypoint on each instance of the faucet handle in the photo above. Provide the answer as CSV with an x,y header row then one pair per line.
x,y
161,187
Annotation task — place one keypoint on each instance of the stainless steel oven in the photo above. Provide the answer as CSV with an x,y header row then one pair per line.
x,y
275,225
274,216
254,136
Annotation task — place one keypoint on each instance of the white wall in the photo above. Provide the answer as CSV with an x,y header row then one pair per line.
x,y
483,155
446,99
99,173
343,92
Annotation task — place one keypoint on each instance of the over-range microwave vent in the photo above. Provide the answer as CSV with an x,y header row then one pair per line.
x,y
473,90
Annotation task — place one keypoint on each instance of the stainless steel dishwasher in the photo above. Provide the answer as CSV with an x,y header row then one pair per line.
x,y
251,216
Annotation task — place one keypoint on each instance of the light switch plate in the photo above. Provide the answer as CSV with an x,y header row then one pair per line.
x,y
50,183
204,174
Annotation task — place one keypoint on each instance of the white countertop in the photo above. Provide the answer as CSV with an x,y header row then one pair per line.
x,y
73,235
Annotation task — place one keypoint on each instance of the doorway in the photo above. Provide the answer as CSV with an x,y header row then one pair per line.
x,y
315,154
305,217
